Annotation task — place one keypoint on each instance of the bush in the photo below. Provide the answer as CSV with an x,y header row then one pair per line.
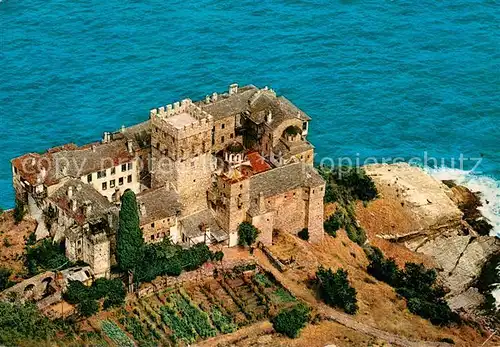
x,y
217,256
87,308
416,284
347,184
290,321
19,211
20,323
335,290
304,234
5,281
382,269
45,256
247,234
86,298
344,217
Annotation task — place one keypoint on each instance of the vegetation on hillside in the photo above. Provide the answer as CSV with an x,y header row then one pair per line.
x,y
247,234
5,281
147,261
129,239
344,186
291,321
21,323
112,291
44,256
19,211
416,284
335,290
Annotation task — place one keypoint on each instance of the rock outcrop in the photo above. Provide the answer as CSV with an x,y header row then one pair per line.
x,y
439,213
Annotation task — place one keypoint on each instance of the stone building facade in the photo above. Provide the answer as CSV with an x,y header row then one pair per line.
x,y
199,170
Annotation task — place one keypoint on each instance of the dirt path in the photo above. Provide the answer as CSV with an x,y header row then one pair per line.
x,y
329,313
253,330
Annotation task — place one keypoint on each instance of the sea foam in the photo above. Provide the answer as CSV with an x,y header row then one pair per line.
x,y
487,188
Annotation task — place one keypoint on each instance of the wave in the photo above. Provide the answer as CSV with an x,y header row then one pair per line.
x,y
487,188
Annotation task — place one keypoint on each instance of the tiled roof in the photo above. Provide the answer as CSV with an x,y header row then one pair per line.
x,y
257,162
70,160
193,225
283,179
81,193
158,204
229,105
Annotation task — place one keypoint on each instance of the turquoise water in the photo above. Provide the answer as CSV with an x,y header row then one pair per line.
x,y
379,78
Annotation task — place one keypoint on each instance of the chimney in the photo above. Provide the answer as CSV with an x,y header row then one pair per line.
x,y
123,129
207,99
105,137
233,89
73,205
269,117
92,147
129,146
142,209
70,192
87,208
78,187
33,161
214,97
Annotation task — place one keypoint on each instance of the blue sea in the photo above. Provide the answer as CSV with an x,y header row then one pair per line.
x,y
381,79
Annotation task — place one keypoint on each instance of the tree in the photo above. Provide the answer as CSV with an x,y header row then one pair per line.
x,y
87,308
247,234
19,211
130,242
335,290
5,281
290,321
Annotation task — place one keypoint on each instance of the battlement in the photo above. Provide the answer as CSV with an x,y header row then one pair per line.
x,y
181,119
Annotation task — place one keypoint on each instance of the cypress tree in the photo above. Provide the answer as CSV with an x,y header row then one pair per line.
x,y
130,242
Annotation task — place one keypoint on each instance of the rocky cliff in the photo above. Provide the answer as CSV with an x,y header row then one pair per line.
x,y
434,219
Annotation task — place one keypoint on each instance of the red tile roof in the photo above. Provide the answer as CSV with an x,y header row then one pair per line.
x,y
258,163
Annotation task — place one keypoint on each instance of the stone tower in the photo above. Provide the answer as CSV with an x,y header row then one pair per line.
x,y
181,152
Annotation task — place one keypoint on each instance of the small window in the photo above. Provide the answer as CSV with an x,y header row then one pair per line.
x,y
113,170
129,179
124,167
112,184
152,237
222,139
129,166
241,186
104,186
120,181
152,225
192,163
101,174
231,136
304,125
222,126
89,178
157,145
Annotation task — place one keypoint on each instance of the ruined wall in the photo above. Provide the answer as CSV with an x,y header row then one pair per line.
x,y
315,211
97,255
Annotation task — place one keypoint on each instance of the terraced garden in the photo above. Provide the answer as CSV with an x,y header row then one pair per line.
x,y
197,311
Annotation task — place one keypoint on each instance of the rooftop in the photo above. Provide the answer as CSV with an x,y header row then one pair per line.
x,y
179,121
195,224
158,204
82,194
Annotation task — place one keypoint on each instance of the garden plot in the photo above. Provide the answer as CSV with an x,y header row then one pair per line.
x,y
197,311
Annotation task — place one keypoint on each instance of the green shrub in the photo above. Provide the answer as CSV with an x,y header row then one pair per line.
x,y
20,323
416,284
304,234
290,321
5,281
45,256
19,211
247,234
335,290
347,184
87,308
217,256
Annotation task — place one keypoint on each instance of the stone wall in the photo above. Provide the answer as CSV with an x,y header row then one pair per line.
x,y
223,133
315,214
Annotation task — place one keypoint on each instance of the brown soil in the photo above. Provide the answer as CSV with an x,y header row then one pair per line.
x,y
13,237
